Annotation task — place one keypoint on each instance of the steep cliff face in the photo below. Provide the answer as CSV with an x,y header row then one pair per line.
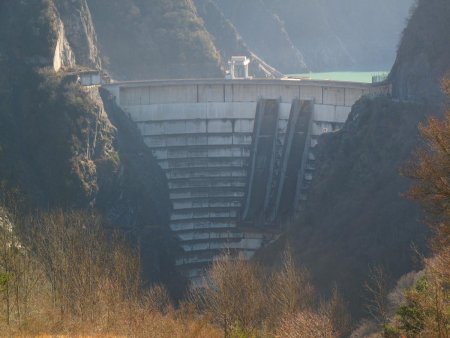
x,y
355,216
226,37
264,33
195,38
348,34
63,56
324,35
79,31
65,146
58,34
424,53
33,43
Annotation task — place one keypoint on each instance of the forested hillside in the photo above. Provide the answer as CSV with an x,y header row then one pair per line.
x,y
356,216
143,39
424,53
61,147
194,38
84,206
324,35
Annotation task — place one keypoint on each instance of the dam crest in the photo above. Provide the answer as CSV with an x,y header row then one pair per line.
x,y
238,154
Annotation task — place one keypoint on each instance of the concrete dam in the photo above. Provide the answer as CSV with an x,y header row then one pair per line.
x,y
238,154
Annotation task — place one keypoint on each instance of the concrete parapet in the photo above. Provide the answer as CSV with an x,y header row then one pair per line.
x,y
215,145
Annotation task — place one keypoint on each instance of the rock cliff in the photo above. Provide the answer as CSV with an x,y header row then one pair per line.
x,y
80,32
424,53
355,216
65,146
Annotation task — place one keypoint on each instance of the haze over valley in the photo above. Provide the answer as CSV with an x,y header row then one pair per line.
x,y
224,168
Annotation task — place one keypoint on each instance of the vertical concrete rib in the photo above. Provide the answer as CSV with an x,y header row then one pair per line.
x,y
295,152
273,161
261,164
304,162
289,137
223,163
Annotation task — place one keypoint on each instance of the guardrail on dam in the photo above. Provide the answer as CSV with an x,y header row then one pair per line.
x,y
236,153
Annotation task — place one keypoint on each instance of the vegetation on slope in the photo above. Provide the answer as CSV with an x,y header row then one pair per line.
x,y
426,310
154,39
356,218
65,273
419,306
33,41
264,33
61,149
323,35
423,56
357,183
80,32
347,34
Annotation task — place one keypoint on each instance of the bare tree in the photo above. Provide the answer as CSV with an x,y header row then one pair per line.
x,y
233,293
22,280
306,324
88,269
336,311
290,290
377,299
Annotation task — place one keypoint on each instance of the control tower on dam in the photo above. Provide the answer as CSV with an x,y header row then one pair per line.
x,y
238,154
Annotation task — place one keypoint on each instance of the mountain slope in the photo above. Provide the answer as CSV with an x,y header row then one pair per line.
x,y
424,53
64,146
157,39
264,33
355,216
323,35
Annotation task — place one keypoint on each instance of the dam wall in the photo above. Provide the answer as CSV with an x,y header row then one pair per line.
x,y
237,153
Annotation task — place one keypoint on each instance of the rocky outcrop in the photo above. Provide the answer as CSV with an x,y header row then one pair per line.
x,y
64,56
79,31
66,146
324,35
355,216
264,33
423,57
195,38
227,40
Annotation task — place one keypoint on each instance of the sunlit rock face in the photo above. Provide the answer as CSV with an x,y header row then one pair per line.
x,y
320,35
79,31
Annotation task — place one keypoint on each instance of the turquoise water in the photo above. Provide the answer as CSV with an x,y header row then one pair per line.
x,y
363,77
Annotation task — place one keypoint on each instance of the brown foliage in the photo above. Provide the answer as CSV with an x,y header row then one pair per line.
x,y
335,310
247,301
86,270
431,171
233,293
306,324
70,276
377,289
426,309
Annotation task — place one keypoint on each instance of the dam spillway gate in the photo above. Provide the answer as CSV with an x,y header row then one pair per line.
x,y
237,154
